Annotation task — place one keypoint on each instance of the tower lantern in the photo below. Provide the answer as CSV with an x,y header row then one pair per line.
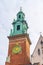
x,y
19,42
20,25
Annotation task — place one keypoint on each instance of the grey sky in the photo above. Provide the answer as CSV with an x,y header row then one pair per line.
x,y
33,10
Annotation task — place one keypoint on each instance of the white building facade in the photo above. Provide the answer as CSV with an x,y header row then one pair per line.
x,y
37,56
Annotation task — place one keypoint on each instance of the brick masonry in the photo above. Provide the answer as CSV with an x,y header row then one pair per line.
x,y
23,57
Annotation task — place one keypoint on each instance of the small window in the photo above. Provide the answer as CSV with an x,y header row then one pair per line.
x,y
19,16
38,51
41,42
18,27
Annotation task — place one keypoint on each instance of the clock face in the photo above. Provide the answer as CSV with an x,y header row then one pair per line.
x,y
16,49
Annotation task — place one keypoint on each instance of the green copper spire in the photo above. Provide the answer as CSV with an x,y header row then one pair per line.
x,y
20,15
19,25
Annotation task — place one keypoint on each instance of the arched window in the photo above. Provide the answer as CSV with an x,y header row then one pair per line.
x,y
41,42
18,27
19,16
38,51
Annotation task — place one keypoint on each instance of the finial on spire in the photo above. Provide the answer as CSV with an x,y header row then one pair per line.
x,y
20,8
41,33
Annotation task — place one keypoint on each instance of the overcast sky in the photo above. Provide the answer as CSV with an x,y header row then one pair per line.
x,y
33,10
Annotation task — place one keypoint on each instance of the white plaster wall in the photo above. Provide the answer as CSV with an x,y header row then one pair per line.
x,y
35,57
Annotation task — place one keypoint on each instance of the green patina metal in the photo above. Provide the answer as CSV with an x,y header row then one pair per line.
x,y
8,59
20,26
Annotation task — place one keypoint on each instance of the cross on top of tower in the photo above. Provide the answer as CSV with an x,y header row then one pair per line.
x,y
40,33
20,8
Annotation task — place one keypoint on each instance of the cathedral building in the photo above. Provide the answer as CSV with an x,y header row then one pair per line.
x,y
37,56
19,42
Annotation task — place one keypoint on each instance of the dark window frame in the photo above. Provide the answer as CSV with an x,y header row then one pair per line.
x,y
38,51
41,42
19,16
18,27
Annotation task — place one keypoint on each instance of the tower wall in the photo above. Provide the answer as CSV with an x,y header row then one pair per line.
x,y
23,57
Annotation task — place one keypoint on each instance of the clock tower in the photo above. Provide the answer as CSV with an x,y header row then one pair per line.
x,y
19,42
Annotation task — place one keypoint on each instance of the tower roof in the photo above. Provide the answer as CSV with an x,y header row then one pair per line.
x,y
20,25
20,12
